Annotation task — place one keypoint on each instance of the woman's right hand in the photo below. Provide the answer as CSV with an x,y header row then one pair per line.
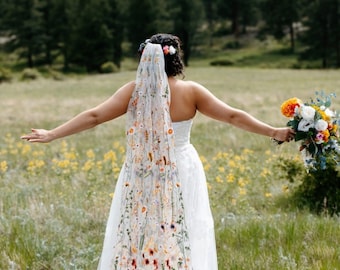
x,y
285,134
38,135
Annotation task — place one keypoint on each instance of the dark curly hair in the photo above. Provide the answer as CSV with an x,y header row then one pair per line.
x,y
173,63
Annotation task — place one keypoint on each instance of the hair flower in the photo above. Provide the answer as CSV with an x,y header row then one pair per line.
x,y
172,50
169,50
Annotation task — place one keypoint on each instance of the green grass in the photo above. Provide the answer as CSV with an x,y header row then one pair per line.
x,y
55,197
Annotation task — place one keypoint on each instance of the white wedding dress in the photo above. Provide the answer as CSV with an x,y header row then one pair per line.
x,y
198,215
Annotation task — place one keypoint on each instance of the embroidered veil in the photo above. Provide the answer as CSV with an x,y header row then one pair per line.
x,y
152,233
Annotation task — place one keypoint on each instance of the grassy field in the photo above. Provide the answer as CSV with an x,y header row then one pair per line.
x,y
55,198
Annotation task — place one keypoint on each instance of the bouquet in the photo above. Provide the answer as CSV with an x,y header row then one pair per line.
x,y
316,126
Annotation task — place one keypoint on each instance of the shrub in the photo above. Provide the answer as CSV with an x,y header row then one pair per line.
x,y
232,45
5,75
56,75
109,67
30,74
318,190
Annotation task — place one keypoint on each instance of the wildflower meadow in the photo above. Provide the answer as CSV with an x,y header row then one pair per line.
x,y
55,198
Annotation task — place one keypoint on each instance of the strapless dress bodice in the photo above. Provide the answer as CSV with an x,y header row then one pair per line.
x,y
182,132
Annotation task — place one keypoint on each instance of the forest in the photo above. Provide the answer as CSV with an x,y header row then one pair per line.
x,y
270,210
91,33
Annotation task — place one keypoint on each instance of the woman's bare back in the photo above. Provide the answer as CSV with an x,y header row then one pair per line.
x,y
182,106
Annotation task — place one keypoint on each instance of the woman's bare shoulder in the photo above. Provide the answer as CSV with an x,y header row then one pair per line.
x,y
186,85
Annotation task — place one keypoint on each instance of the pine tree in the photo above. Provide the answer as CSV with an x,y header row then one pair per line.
x,y
240,13
92,37
323,32
188,17
281,16
21,20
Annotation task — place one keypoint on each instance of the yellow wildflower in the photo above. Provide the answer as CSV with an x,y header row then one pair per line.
x,y
99,165
221,169
90,154
116,170
35,164
232,164
265,172
207,167
88,166
116,145
38,153
111,155
268,195
70,155
247,151
65,163
13,151
237,158
268,152
242,191
218,179
64,146
25,149
230,178
241,182
3,166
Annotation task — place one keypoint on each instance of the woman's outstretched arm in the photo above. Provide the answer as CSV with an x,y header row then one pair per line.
x,y
110,109
211,106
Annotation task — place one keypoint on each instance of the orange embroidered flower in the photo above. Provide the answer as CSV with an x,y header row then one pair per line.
x,y
150,156
288,107
135,102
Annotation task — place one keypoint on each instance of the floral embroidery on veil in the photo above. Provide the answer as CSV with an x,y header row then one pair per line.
x,y
152,233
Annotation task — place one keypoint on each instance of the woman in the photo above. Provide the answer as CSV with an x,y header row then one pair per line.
x,y
160,216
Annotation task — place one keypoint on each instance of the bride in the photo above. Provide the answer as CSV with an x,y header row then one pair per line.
x,y
160,216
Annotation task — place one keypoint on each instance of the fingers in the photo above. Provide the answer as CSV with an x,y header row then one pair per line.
x,y
285,135
35,136
290,135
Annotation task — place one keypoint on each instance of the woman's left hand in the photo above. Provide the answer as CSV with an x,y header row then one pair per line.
x,y
38,135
